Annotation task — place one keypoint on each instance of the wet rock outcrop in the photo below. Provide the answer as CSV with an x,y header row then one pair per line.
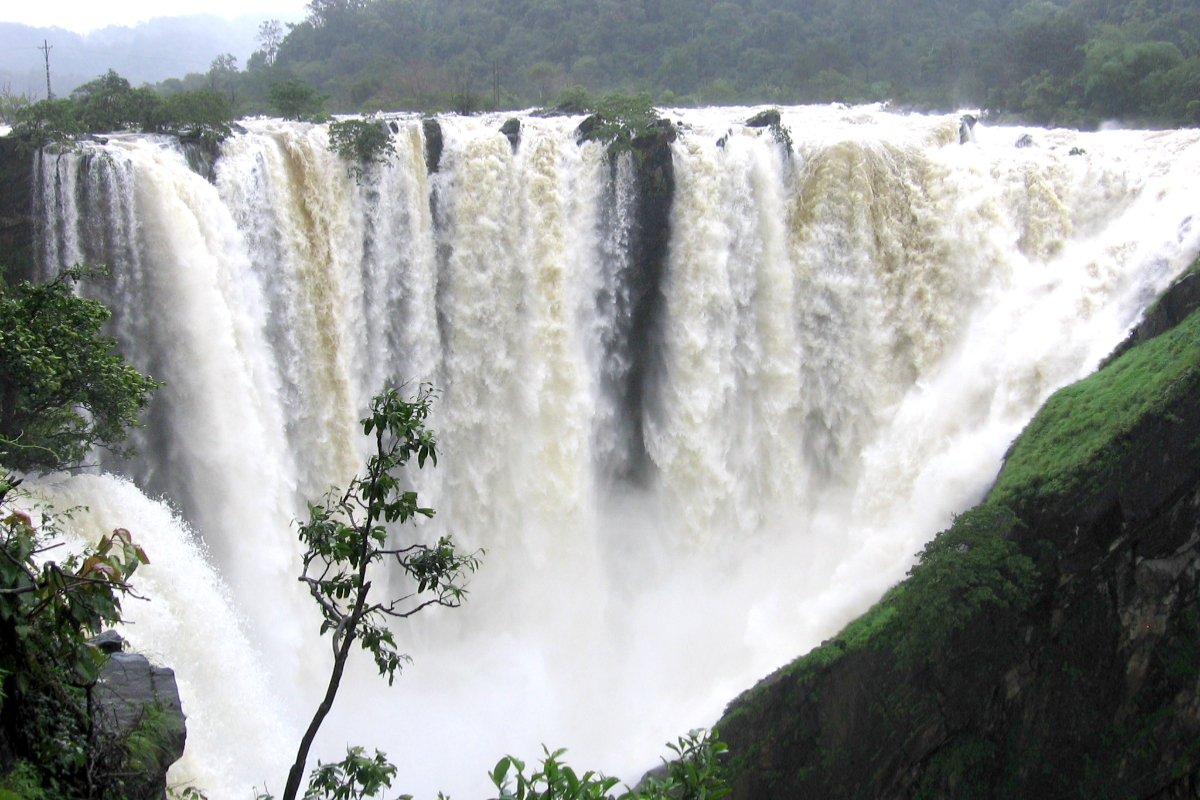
x,y
512,131
433,144
135,698
764,119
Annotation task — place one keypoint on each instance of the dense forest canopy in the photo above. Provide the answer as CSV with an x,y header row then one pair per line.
x,y
1079,63
1076,63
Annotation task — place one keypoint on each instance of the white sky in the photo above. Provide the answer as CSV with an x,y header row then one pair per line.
x,y
85,15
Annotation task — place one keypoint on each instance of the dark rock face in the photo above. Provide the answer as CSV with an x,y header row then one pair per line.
x,y
134,695
1170,310
16,209
512,129
640,342
1091,691
966,124
656,137
588,126
433,144
764,119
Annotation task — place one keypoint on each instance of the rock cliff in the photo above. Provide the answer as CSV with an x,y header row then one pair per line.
x,y
1047,645
16,208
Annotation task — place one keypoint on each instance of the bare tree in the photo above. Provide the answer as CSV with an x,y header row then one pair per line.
x,y
270,37
11,102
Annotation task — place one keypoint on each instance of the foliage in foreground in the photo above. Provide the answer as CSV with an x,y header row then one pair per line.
x,y
63,391
694,774
347,534
48,611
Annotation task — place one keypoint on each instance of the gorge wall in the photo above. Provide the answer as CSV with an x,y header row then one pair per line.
x,y
682,479
1065,657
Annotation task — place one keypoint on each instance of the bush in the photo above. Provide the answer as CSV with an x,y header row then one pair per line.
x,y
62,391
202,114
361,142
294,99
47,123
973,567
48,610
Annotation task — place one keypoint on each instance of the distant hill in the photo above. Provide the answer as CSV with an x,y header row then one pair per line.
x,y
164,47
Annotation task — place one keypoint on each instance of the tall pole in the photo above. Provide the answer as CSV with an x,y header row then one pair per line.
x,y
46,48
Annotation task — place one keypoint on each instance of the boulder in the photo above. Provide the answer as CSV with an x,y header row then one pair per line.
x,y
133,695
1024,140
764,119
966,127
1171,309
512,129
658,134
109,642
588,126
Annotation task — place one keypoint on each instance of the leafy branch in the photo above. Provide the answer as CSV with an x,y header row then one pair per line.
x,y
361,142
347,533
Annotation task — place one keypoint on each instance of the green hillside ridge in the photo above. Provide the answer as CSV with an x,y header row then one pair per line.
x,y
1047,644
1075,63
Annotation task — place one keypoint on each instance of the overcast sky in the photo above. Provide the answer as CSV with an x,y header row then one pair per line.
x,y
85,15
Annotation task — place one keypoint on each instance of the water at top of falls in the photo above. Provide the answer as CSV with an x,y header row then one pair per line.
x,y
831,359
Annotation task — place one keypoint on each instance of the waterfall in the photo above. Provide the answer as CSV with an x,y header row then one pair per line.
x,y
842,342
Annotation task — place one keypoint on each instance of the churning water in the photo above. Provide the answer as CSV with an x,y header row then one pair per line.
x,y
841,345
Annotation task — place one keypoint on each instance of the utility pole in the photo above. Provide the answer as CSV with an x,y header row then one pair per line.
x,y
46,48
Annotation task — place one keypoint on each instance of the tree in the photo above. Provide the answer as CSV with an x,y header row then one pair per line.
x,y
47,123
361,142
104,103
620,119
11,102
222,76
201,114
294,99
48,611
63,391
347,533
270,36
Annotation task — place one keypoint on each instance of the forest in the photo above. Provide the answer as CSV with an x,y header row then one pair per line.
x,y
1075,64
1078,64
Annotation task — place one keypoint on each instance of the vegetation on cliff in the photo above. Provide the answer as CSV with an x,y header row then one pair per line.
x,y
1081,435
1044,645
62,393
109,104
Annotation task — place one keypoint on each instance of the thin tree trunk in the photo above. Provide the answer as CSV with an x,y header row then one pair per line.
x,y
296,773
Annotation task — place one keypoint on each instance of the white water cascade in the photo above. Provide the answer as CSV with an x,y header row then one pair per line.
x,y
844,341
